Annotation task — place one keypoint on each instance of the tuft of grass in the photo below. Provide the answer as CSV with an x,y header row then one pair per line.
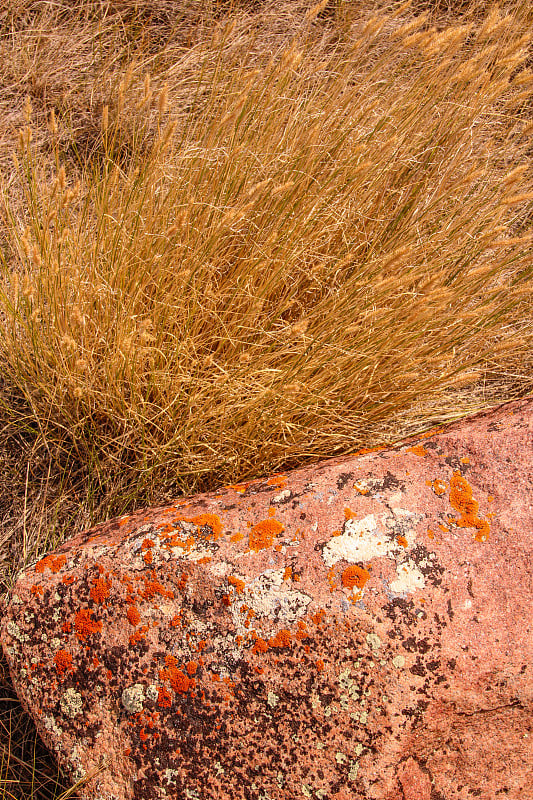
x,y
256,250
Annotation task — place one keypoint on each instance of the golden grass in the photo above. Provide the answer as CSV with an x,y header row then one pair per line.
x,y
240,238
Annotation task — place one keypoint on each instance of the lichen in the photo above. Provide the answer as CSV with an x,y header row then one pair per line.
x,y
71,703
133,698
409,578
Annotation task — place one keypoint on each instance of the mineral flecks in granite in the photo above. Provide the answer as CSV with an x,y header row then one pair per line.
x,y
353,630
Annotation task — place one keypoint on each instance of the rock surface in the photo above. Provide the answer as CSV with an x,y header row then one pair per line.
x,y
356,629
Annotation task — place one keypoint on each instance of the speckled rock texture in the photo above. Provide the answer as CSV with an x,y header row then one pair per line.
x,y
357,629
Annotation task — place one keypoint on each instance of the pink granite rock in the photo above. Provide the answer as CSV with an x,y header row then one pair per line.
x,y
353,630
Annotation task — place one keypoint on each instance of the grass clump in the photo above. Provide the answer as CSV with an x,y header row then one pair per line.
x,y
263,249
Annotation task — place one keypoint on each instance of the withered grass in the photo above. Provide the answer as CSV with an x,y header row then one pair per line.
x,y
240,237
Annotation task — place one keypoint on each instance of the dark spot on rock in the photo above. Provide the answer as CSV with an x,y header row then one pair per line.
x,y
418,668
343,479
455,463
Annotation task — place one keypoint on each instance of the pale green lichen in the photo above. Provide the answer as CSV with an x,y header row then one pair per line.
x,y
398,661
152,692
272,699
51,725
133,698
373,641
71,703
15,632
354,769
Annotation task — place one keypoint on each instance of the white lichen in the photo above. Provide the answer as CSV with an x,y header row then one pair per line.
x,y
360,541
269,595
409,578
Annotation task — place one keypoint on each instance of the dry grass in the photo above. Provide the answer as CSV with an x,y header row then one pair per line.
x,y
242,237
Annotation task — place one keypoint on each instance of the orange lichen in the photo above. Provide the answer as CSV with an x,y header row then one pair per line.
x,y
136,637
178,680
465,460
237,583
237,537
319,664
354,576
287,573
318,616
164,698
262,534
37,589
53,563
260,646
63,662
191,667
84,625
100,590
462,501
238,487
211,520
147,544
349,514
277,480
176,541
438,486
68,580
148,557
152,587
133,615
417,450
281,639
402,541
432,432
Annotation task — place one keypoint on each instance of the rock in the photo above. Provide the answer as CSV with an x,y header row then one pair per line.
x,y
356,629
